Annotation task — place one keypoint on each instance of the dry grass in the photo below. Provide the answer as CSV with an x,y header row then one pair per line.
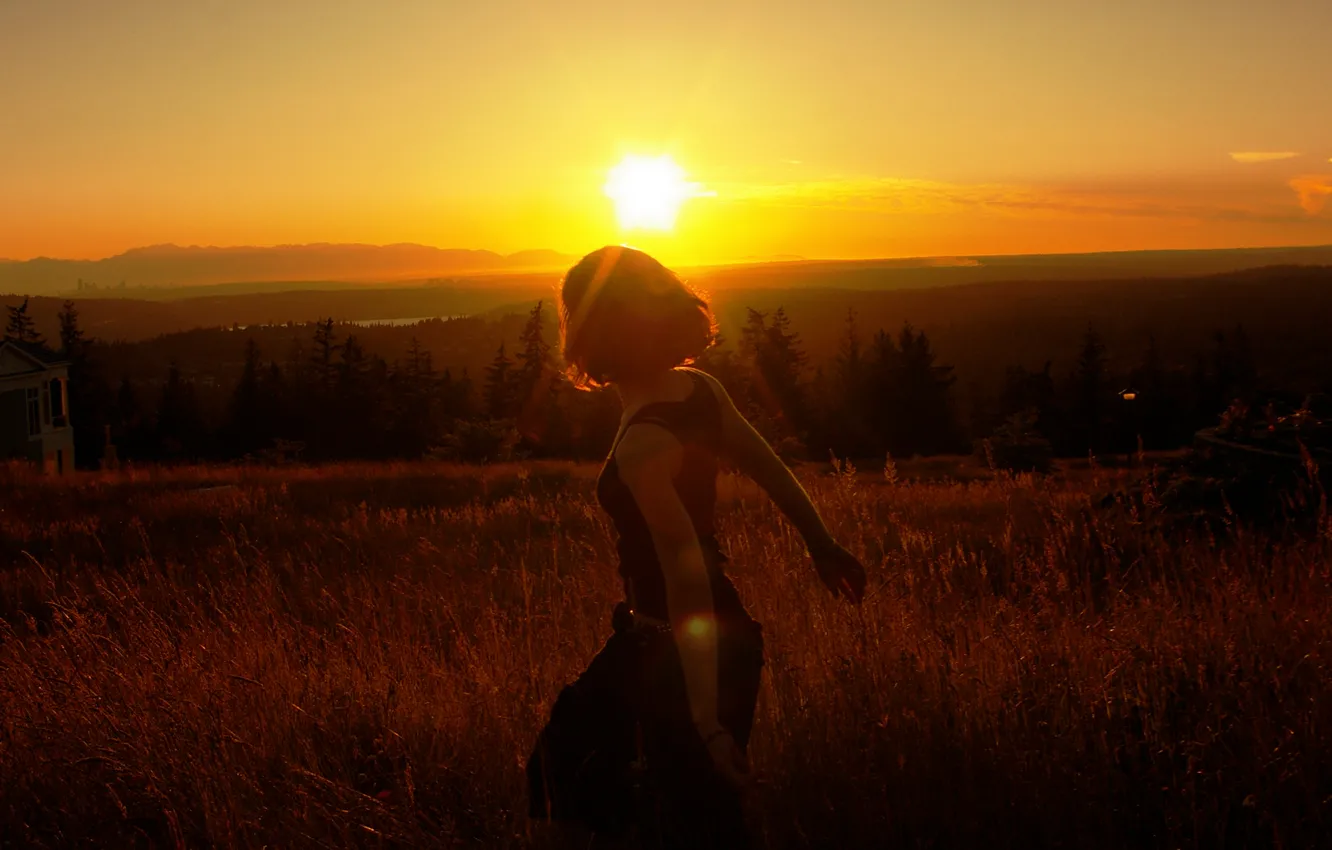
x,y
361,656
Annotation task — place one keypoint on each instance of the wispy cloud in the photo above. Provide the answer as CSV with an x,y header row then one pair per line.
x,y
1249,157
1314,190
1194,202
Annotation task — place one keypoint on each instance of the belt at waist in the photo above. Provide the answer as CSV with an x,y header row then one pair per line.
x,y
626,619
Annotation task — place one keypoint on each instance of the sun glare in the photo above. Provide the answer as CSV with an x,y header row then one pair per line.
x,y
648,192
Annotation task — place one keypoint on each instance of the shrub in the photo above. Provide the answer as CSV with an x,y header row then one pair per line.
x,y
1017,446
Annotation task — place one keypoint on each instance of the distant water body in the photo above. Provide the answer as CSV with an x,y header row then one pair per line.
x,y
399,323
372,323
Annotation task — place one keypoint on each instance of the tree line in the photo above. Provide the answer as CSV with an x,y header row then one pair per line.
x,y
883,393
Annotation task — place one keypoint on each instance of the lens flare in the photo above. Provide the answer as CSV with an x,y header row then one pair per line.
x,y
698,627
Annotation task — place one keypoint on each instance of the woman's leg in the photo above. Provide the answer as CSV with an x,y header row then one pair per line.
x,y
691,805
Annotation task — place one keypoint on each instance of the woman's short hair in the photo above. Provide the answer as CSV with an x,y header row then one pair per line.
x,y
622,313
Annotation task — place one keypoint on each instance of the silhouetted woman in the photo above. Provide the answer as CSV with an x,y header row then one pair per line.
x,y
650,741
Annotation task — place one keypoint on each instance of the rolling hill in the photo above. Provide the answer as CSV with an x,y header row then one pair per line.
x,y
174,266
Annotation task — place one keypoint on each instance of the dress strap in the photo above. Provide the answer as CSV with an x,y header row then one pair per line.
x,y
668,414
649,420
682,418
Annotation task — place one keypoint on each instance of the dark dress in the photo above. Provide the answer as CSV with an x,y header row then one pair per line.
x,y
621,753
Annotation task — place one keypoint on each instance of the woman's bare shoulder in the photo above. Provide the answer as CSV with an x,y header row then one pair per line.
x,y
718,390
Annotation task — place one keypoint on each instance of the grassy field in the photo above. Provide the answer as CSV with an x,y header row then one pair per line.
x,y
361,656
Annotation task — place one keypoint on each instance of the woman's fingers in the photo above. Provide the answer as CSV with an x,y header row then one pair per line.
x,y
729,761
738,772
855,581
842,573
852,592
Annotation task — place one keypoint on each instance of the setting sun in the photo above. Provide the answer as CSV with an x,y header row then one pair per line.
x,y
648,192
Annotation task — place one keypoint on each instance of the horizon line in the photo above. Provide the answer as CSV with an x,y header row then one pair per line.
x,y
747,261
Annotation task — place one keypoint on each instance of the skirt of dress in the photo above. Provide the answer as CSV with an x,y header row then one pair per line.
x,y
621,754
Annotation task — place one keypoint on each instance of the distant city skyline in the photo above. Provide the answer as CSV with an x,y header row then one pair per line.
x,y
835,130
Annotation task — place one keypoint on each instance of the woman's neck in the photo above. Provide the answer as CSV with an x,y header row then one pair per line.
x,y
646,389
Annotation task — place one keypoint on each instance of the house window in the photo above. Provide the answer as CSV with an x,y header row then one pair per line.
x,y
59,403
34,411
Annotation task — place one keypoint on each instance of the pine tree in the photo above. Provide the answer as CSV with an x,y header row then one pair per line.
x,y
784,367
355,408
754,334
785,340
275,393
446,391
418,364
533,359
777,405
883,410
719,361
325,347
179,424
298,367
1153,413
849,363
464,401
247,389
21,326
127,403
1029,394
127,430
375,418
535,388
785,359
558,431
845,397
414,404
72,342
1088,389
929,425
247,429
353,365
91,401
499,386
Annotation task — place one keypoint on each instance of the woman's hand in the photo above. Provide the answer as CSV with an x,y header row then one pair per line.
x,y
840,571
727,758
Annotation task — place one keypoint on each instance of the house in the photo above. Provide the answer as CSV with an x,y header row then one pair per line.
x,y
34,407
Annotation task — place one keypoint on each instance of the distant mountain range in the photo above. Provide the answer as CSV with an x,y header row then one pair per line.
x,y
171,271
931,272
177,266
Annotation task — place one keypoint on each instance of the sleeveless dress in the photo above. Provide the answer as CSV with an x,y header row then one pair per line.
x,y
621,754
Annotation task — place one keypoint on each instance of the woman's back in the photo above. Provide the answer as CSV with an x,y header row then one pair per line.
x,y
695,421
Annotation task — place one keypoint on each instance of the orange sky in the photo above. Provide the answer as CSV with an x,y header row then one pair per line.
x,y
829,129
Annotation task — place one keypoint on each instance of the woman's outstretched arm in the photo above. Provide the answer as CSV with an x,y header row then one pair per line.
x,y
756,458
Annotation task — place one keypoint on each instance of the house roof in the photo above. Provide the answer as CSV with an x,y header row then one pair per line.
x,y
39,354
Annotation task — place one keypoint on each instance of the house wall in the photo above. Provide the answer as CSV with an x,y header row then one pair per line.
x,y
53,448
57,451
14,441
